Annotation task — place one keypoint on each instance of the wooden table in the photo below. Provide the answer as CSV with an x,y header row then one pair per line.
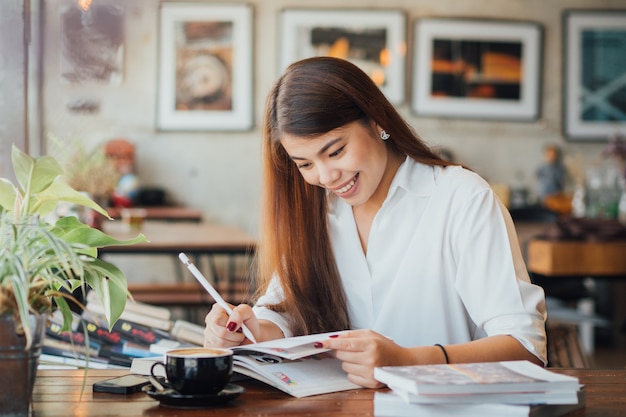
x,y
166,213
577,258
175,237
196,240
581,259
57,394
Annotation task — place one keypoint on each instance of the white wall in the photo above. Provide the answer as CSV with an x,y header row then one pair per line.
x,y
219,172
13,62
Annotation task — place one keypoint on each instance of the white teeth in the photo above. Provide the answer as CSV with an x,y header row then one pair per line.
x,y
346,187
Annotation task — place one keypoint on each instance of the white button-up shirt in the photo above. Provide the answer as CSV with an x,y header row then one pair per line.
x,y
443,264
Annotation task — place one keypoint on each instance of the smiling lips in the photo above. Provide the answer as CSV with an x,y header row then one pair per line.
x,y
347,187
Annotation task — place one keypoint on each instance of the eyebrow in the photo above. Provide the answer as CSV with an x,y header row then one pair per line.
x,y
321,151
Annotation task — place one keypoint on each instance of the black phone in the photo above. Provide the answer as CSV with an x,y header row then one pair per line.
x,y
127,384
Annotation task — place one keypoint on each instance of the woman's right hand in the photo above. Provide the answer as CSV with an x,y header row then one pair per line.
x,y
223,330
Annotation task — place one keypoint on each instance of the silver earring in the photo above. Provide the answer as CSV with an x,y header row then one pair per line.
x,y
384,135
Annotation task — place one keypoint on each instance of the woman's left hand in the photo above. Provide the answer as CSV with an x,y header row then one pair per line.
x,y
361,351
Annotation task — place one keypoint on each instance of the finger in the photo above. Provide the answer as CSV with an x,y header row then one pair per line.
x,y
216,315
343,343
215,331
365,382
243,314
361,375
218,336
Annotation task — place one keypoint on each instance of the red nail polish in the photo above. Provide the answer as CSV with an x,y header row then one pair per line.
x,y
231,326
317,345
334,335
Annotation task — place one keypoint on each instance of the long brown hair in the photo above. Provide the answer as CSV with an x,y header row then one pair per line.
x,y
312,97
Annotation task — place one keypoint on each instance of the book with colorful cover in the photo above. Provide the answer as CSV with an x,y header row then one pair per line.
x,y
54,331
137,333
52,346
474,378
101,333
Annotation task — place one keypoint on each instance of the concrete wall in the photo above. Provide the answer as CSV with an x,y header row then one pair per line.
x,y
219,172
13,61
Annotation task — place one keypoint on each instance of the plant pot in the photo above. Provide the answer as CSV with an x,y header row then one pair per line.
x,y
18,366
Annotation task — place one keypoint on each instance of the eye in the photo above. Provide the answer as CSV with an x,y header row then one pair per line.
x,y
337,152
303,165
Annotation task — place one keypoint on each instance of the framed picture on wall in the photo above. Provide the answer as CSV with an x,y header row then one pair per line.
x,y
594,67
480,69
205,67
374,40
92,44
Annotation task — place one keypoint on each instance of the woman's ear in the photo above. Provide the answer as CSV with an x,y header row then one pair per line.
x,y
375,127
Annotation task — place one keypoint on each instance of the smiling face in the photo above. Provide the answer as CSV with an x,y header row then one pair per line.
x,y
351,161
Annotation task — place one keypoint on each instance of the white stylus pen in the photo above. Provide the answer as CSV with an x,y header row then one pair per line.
x,y
216,296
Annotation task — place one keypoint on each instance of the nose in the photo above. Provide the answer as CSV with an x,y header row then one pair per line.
x,y
327,175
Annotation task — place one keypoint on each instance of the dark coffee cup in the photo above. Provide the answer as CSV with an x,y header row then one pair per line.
x,y
193,371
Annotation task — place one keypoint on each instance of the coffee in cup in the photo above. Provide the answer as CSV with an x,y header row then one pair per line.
x,y
197,371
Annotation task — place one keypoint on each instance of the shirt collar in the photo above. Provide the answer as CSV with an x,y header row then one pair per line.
x,y
415,178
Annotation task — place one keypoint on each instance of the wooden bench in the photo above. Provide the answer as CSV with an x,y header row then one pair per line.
x,y
188,295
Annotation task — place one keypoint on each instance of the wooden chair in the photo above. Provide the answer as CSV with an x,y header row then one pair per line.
x,y
564,347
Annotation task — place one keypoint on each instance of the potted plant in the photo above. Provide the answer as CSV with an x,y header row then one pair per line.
x,y
90,171
42,263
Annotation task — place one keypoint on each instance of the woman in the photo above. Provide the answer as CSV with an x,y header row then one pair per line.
x,y
364,227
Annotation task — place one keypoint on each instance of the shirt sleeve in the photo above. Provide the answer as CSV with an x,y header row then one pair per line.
x,y
492,279
273,295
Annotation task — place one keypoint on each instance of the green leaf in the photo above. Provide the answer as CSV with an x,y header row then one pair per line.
x,y
72,230
34,175
21,297
46,170
7,194
66,312
23,166
111,291
60,191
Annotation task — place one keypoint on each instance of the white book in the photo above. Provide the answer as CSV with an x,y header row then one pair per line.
x,y
313,375
186,331
292,365
164,345
156,323
45,359
388,404
136,307
141,366
474,378
287,348
542,397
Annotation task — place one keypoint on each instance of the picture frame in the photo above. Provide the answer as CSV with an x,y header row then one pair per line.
x,y
205,67
594,74
374,40
477,69
92,44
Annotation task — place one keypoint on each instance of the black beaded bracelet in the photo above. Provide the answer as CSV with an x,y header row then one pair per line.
x,y
445,354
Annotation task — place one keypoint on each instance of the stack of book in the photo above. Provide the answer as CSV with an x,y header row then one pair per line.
x,y
513,388
142,331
